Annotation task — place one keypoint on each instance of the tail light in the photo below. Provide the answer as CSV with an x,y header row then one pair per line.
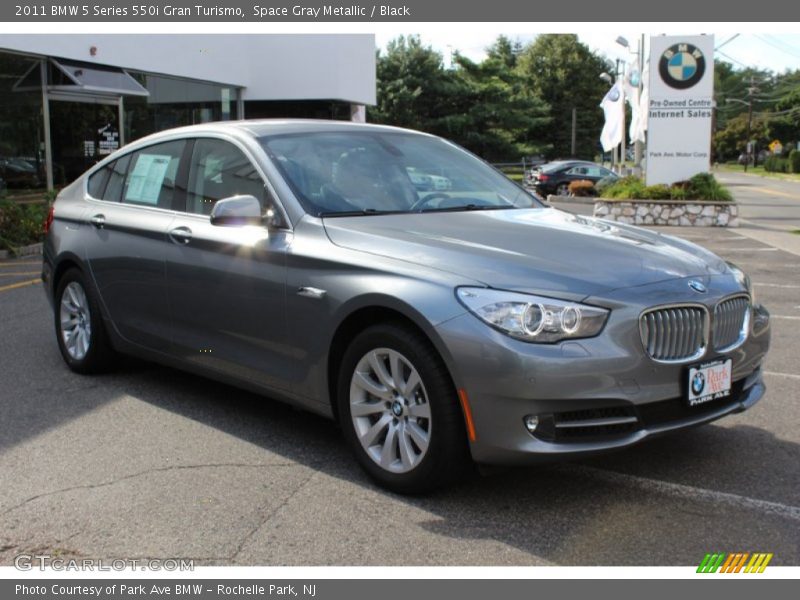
x,y
49,219
542,177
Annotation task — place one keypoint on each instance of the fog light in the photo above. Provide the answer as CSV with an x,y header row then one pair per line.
x,y
531,423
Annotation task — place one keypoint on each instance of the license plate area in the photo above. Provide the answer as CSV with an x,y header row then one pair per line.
x,y
709,381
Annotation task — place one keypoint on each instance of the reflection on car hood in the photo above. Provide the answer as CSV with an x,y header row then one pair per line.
x,y
541,250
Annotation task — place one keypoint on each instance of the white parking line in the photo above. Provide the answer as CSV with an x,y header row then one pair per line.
x,y
689,492
788,286
790,317
770,249
779,374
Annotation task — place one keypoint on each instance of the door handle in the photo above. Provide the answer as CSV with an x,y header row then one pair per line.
x,y
98,221
181,235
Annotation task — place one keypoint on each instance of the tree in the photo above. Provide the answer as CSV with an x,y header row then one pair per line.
x,y
565,74
502,119
732,140
414,90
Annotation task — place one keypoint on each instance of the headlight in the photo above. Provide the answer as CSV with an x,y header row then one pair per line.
x,y
533,318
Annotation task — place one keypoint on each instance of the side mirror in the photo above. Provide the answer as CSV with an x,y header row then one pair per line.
x,y
237,210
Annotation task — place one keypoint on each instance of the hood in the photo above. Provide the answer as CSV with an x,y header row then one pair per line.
x,y
540,250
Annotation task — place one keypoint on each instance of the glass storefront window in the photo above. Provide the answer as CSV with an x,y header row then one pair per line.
x,y
22,160
174,102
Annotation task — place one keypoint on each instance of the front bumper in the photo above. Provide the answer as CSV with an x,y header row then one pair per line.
x,y
591,395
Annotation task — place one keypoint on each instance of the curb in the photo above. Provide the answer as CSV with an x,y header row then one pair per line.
x,y
30,250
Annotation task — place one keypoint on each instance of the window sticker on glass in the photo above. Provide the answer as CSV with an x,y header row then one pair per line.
x,y
146,178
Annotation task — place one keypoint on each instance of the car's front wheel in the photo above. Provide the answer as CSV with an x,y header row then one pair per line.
x,y
79,325
399,410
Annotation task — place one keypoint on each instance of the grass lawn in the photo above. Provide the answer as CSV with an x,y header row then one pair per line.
x,y
759,170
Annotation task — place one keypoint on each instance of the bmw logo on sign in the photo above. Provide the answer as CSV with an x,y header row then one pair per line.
x,y
682,66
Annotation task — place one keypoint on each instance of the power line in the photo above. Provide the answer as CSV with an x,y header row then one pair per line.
x,y
728,41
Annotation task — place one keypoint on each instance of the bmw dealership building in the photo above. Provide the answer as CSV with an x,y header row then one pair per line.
x,y
66,101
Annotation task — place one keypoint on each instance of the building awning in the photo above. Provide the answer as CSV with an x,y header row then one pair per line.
x,y
75,77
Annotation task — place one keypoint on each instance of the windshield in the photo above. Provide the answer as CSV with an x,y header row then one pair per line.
x,y
361,173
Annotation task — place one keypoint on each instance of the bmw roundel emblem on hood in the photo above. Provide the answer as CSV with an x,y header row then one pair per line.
x,y
697,286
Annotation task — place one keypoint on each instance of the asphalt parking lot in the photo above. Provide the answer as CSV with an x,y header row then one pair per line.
x,y
148,462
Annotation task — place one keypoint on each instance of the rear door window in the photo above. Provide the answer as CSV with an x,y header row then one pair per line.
x,y
152,175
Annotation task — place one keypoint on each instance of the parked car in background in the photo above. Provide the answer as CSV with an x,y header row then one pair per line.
x,y
555,177
299,259
19,172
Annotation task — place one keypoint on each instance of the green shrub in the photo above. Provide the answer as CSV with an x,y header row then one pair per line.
x,y
776,164
657,192
626,188
21,224
605,183
702,186
794,161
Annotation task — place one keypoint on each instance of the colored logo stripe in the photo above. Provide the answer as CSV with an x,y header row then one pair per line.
x,y
734,562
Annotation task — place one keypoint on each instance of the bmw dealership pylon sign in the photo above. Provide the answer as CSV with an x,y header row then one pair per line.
x,y
681,107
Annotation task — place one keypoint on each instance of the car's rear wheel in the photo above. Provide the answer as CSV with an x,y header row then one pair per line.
x,y
80,331
399,410
562,189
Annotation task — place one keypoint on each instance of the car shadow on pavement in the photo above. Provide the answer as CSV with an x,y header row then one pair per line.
x,y
570,513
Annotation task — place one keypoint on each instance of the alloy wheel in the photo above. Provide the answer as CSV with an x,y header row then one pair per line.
x,y
390,410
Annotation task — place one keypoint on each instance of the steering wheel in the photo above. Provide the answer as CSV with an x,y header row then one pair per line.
x,y
427,199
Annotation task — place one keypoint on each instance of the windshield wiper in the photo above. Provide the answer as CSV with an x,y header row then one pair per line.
x,y
367,212
468,207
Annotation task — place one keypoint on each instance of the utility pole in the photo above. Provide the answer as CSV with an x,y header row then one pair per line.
x,y
574,129
750,91
637,145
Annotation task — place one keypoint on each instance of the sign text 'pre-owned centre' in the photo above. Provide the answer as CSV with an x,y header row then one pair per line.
x,y
198,10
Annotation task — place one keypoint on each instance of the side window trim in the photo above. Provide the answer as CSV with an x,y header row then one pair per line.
x,y
182,177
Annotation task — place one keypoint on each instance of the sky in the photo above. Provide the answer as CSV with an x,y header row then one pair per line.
x,y
774,51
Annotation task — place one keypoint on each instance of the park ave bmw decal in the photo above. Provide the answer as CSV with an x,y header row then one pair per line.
x,y
682,66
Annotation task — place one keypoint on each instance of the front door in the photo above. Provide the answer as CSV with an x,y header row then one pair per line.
x,y
227,284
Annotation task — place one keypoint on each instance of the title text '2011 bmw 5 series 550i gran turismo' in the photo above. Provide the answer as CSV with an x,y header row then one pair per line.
x,y
395,282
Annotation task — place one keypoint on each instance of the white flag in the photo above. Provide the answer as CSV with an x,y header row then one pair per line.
x,y
632,95
612,133
639,124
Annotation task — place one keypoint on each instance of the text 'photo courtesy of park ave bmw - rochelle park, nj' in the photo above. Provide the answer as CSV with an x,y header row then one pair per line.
x,y
310,296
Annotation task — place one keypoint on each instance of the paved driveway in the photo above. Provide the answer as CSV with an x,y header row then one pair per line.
x,y
151,462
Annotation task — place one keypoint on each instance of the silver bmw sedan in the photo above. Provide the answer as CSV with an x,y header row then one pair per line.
x,y
394,282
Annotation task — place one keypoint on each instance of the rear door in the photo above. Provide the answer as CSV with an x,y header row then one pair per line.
x,y
130,209
227,283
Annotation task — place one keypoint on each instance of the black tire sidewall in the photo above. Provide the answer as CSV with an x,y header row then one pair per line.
x,y
447,453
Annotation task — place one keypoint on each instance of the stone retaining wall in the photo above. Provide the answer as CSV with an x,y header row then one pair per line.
x,y
668,212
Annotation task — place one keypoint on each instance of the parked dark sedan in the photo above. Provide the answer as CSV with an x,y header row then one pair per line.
x,y
467,322
555,177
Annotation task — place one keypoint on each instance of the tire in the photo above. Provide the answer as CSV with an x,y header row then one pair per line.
x,y
419,433
80,330
562,189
